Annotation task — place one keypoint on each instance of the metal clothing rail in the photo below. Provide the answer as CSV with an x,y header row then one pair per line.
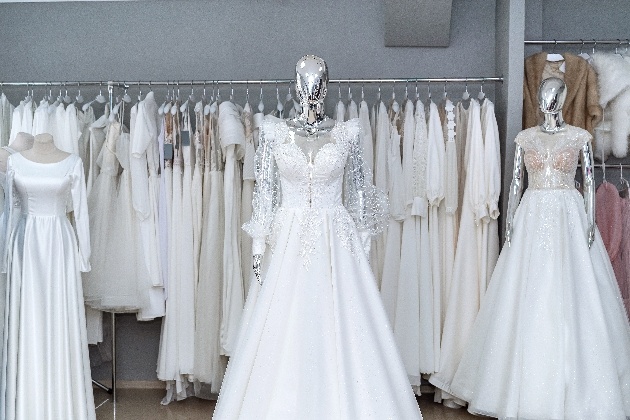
x,y
579,42
253,82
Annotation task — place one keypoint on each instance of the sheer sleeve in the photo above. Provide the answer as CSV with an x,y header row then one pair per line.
x,y
266,191
80,209
366,204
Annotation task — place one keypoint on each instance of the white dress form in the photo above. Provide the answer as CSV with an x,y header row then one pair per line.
x,y
46,340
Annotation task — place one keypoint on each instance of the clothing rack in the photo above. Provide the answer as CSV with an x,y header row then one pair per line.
x,y
110,85
253,82
579,42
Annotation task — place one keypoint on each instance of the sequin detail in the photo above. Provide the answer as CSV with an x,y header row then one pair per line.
x,y
551,158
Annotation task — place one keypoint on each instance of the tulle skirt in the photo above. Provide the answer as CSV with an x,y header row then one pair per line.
x,y
315,342
551,340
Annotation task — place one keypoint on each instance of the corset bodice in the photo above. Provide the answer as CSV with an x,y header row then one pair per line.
x,y
551,159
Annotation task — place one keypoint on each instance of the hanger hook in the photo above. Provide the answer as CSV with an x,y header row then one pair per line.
x,y
394,90
555,44
362,92
247,91
339,87
445,94
261,90
594,45
429,89
582,45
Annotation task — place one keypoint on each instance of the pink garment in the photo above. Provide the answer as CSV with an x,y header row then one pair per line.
x,y
608,216
621,265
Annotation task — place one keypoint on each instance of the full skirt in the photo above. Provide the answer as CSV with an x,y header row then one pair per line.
x,y
315,342
551,340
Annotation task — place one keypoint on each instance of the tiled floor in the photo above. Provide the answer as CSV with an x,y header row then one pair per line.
x,y
144,404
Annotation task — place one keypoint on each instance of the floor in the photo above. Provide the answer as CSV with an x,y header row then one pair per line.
x,y
144,404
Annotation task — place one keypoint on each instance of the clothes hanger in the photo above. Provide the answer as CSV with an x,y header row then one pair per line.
x,y
466,95
261,105
429,92
394,104
79,98
279,106
552,56
625,185
481,96
583,54
66,98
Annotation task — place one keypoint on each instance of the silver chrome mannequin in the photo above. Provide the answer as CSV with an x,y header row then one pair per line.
x,y
311,86
551,96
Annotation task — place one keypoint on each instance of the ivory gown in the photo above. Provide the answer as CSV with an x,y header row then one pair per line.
x,y
315,342
46,368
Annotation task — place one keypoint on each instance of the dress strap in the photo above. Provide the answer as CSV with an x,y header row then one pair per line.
x,y
8,149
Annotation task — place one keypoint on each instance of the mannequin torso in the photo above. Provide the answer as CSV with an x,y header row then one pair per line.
x,y
44,150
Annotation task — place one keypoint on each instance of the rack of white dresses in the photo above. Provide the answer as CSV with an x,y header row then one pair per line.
x,y
111,85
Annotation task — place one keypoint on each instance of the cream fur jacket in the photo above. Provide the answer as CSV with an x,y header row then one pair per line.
x,y
612,134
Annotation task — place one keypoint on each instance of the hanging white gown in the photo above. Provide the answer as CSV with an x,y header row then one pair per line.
x,y
381,154
436,168
144,192
197,189
98,131
367,140
396,190
6,116
249,178
467,287
109,286
46,368
492,171
298,354
552,339
209,362
41,123
232,136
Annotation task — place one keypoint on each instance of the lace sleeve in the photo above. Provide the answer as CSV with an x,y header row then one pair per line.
x,y
266,191
366,204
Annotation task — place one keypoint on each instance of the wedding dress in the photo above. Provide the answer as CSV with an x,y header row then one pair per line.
x,y
551,339
314,341
45,367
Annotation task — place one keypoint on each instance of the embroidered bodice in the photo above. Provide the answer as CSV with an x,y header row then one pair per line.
x,y
313,175
551,159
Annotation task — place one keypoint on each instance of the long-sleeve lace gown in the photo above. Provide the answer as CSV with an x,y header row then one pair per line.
x,y
315,342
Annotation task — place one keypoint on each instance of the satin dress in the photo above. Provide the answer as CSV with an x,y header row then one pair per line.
x,y
45,371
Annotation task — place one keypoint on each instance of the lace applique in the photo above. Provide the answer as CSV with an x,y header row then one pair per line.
x,y
310,232
345,230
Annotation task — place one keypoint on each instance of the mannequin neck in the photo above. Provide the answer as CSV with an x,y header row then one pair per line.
x,y
553,122
44,150
312,119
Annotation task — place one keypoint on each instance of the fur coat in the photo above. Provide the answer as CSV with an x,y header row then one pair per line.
x,y
581,108
612,134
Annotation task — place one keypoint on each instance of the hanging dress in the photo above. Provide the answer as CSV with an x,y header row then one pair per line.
x,y
492,171
197,148
249,178
468,286
145,189
46,368
396,190
381,154
6,116
209,362
367,139
232,136
110,285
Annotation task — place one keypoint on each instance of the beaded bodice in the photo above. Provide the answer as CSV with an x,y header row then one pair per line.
x,y
551,159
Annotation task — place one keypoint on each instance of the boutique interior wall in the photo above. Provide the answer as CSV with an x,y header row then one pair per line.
x,y
241,39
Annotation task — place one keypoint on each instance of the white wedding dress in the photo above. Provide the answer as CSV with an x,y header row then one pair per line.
x,y
45,371
551,340
315,342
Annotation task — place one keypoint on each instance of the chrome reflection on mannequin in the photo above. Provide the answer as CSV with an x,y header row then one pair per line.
x,y
551,96
311,86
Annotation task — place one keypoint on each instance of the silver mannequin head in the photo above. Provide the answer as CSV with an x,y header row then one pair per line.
x,y
311,80
551,95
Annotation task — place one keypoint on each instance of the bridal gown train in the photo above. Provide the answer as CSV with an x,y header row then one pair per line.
x,y
314,341
551,340
45,368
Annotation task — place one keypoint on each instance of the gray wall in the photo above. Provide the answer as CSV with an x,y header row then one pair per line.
x,y
199,39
